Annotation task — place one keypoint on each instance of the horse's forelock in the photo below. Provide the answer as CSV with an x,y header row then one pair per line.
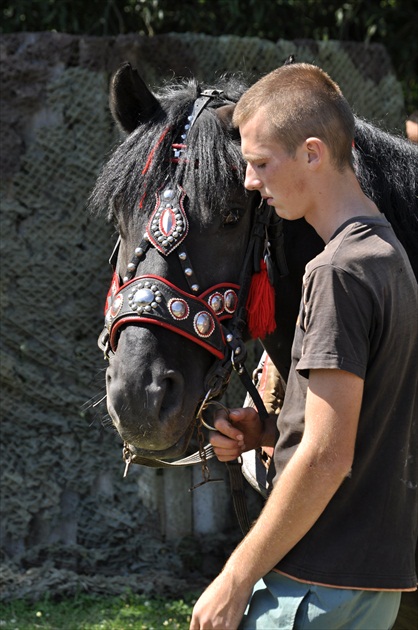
x,y
213,160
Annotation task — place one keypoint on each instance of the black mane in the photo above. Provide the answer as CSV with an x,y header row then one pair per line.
x,y
387,168
122,181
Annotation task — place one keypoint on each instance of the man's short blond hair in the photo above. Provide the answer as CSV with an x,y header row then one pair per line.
x,y
302,101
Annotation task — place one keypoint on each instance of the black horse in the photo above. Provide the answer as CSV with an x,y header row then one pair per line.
x,y
190,238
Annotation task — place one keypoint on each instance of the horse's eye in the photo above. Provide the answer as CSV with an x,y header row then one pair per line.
x,y
232,216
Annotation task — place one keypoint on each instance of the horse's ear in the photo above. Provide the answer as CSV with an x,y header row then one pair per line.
x,y
131,102
289,60
225,114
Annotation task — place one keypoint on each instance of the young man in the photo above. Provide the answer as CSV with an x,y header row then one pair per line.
x,y
334,545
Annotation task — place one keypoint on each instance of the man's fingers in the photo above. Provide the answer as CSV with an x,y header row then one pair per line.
x,y
223,425
226,449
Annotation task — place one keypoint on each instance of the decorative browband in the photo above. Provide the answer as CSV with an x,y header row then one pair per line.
x,y
152,299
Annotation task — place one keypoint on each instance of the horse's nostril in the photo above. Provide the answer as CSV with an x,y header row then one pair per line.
x,y
173,388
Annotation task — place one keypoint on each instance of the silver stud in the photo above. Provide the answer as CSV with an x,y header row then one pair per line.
x,y
195,287
139,252
125,279
131,267
229,337
141,298
168,193
188,271
182,255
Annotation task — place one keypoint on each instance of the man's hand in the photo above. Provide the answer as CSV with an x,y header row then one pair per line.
x,y
240,432
222,605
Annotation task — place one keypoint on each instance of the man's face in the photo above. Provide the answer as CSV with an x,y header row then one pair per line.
x,y
278,177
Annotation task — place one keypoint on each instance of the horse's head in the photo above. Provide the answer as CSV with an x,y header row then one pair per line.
x,y
174,187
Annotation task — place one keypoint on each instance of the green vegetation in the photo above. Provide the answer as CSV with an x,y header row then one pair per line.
x,y
98,613
391,22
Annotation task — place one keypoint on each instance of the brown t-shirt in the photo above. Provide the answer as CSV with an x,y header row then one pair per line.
x,y
359,313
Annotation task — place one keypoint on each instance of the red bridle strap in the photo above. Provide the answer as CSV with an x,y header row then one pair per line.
x,y
152,299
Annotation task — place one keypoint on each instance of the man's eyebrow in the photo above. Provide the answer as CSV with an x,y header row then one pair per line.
x,y
253,157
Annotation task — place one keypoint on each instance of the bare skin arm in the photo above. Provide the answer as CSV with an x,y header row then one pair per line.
x,y
311,478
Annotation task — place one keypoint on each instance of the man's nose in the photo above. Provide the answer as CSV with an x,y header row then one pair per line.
x,y
252,182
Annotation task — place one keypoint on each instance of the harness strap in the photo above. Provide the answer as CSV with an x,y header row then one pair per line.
x,y
248,383
238,494
190,460
153,300
276,237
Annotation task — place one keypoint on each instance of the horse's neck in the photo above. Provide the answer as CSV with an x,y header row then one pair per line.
x,y
301,244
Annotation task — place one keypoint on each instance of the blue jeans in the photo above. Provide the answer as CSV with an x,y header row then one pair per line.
x,y
280,602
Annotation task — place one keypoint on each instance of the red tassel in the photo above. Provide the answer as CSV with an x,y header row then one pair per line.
x,y
261,305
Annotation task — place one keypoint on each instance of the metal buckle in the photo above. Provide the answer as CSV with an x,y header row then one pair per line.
x,y
205,404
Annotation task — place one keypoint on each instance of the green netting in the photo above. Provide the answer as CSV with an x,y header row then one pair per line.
x,y
61,468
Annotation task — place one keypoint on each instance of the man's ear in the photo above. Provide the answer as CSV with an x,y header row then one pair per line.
x,y
315,150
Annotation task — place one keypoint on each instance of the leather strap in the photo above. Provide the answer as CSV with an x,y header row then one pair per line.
x,y
236,480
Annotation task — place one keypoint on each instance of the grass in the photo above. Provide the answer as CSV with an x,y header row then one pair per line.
x,y
98,613
131,611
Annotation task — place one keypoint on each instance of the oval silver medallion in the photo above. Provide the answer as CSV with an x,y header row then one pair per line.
x,y
216,302
231,300
203,324
178,308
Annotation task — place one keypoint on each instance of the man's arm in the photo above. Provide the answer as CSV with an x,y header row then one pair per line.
x,y
309,481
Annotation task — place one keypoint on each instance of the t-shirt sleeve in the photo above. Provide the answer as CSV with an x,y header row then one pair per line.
x,y
336,318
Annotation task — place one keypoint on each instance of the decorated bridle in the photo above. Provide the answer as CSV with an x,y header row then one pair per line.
x,y
196,315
